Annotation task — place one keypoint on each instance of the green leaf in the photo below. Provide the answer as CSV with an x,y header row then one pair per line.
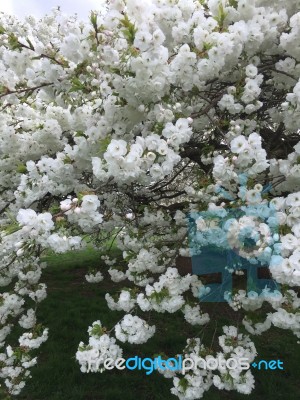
x,y
121,102
21,169
79,134
233,3
158,128
97,330
12,228
284,229
220,18
93,19
85,347
159,296
183,382
207,46
130,30
68,160
116,71
54,209
13,42
81,68
30,44
104,144
77,85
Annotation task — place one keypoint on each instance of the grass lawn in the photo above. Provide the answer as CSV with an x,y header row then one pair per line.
x,y
73,304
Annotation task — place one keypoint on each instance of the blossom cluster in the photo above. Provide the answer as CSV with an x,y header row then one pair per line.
x,y
133,329
101,346
196,382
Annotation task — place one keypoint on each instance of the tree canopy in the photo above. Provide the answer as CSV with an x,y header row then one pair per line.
x,y
120,128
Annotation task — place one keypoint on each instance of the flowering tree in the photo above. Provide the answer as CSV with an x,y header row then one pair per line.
x,y
119,128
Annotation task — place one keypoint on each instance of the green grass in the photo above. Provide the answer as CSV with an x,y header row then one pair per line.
x,y
73,304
